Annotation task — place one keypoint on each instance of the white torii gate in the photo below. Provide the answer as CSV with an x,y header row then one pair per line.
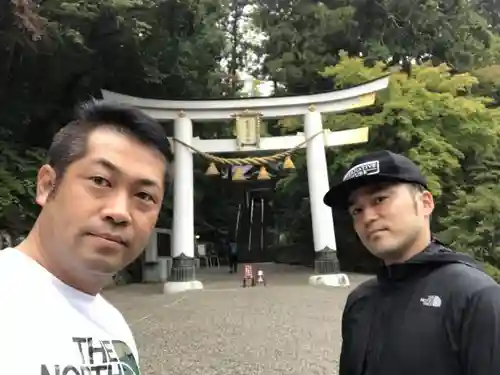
x,y
310,106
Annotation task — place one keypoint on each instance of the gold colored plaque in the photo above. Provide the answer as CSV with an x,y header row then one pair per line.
x,y
365,100
247,127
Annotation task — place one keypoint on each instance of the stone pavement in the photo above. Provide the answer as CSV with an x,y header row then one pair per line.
x,y
287,327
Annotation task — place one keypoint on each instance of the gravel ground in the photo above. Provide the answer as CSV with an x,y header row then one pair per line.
x,y
287,327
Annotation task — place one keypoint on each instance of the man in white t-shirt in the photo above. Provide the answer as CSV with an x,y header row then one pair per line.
x,y
100,195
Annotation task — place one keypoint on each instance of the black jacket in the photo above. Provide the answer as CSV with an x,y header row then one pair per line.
x,y
437,314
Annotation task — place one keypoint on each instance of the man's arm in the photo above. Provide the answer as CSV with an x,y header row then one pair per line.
x,y
480,340
343,361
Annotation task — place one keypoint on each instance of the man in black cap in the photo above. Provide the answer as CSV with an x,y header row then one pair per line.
x,y
429,310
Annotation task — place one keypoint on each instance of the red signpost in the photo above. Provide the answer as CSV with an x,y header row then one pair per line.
x,y
248,276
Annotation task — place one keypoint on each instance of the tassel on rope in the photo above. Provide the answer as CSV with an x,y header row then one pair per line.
x,y
288,163
238,174
212,170
263,174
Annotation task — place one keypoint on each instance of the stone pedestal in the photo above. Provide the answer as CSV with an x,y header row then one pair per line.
x,y
327,270
182,275
326,262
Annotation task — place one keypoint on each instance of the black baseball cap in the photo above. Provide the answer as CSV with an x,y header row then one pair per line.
x,y
373,168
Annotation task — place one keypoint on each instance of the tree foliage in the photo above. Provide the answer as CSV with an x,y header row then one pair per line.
x,y
17,188
305,36
61,52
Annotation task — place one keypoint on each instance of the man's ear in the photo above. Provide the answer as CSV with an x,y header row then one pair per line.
x,y
427,203
45,184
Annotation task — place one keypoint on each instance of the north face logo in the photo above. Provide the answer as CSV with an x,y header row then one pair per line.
x,y
363,169
96,357
431,301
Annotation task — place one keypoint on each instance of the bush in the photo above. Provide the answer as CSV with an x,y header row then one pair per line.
x,y
493,271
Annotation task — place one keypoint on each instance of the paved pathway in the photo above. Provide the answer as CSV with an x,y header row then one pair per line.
x,y
287,327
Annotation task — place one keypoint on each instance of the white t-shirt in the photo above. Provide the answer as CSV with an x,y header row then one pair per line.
x,y
50,328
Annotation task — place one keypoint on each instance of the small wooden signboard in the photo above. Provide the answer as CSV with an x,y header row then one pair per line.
x,y
261,279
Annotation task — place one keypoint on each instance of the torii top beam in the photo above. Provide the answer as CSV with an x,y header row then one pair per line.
x,y
268,107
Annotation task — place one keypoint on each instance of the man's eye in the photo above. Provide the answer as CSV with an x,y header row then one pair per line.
x,y
146,197
380,199
355,211
100,181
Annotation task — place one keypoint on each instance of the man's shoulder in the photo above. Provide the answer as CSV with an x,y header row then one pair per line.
x,y
457,271
458,278
7,256
113,318
364,289
10,271
109,311
463,278
116,322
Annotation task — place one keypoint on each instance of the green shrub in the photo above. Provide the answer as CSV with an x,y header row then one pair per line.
x,y
493,271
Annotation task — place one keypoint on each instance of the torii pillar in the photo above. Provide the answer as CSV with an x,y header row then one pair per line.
x,y
183,276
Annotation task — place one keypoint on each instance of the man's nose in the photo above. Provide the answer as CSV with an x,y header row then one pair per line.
x,y
368,215
117,209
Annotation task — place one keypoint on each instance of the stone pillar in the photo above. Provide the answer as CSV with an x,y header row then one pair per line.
x,y
326,262
183,275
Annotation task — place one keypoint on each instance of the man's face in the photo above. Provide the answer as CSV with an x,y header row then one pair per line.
x,y
390,218
102,212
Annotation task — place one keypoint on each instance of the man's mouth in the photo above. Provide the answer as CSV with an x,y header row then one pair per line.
x,y
111,237
376,231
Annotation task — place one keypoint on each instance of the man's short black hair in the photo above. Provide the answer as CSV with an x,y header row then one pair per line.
x,y
70,143
417,188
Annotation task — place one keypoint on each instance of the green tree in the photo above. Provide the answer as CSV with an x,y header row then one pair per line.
x,y
61,52
304,36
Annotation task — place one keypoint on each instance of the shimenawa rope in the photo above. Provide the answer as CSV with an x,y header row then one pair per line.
x,y
248,160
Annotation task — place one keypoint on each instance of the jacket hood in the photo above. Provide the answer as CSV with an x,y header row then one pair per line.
x,y
434,256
